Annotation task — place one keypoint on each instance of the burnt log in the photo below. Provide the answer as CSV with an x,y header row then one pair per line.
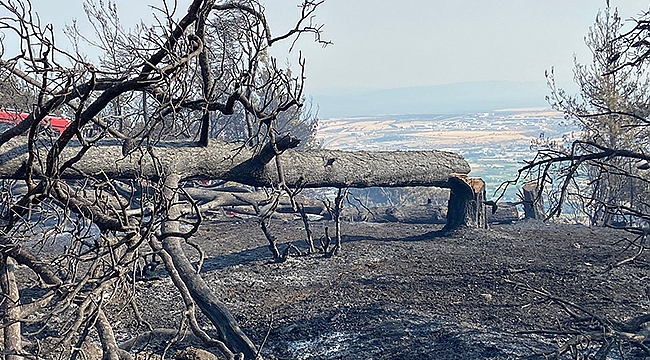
x,y
418,214
233,162
216,198
424,214
302,169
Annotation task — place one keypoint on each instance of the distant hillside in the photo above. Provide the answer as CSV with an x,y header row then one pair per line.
x,y
440,99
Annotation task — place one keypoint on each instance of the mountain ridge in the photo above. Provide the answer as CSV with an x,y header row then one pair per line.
x,y
466,97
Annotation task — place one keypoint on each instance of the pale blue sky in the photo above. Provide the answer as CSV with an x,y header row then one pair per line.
x,y
390,44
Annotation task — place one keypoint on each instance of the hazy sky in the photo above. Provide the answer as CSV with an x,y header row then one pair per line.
x,y
389,44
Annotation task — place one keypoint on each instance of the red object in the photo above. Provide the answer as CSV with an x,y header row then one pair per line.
x,y
55,122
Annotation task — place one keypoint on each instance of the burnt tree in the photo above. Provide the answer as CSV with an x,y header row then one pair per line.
x,y
106,192
601,176
157,82
302,169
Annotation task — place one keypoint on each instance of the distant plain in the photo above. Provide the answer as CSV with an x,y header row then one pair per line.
x,y
494,143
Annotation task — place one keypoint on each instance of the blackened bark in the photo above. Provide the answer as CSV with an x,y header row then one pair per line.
x,y
206,300
505,213
408,214
310,169
206,75
24,257
12,341
466,203
309,236
306,169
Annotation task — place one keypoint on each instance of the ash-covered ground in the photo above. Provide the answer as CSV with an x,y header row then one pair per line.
x,y
404,291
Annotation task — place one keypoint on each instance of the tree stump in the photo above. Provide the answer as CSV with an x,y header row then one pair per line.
x,y
466,207
533,202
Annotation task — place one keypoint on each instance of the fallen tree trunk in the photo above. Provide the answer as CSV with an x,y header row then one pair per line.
x,y
423,214
231,162
309,169
506,213
216,198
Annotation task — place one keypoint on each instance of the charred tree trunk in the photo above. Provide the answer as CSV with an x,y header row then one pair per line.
x,y
424,214
533,203
408,214
232,162
309,235
273,243
210,305
316,168
466,203
12,339
336,214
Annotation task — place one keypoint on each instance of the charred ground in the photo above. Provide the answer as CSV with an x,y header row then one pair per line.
x,y
406,291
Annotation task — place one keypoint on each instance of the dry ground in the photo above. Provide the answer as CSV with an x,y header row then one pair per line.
x,y
401,291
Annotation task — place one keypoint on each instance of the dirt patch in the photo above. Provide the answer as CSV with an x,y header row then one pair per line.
x,y
403,291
